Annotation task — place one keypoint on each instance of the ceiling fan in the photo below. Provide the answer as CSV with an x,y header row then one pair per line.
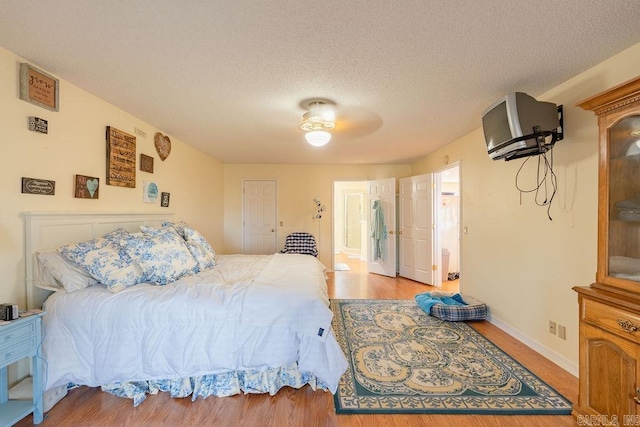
x,y
324,117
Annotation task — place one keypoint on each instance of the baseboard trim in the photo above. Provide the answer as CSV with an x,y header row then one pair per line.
x,y
556,358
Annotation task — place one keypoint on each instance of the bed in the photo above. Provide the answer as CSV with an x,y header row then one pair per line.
x,y
249,324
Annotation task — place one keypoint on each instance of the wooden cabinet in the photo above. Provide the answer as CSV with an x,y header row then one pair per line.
x,y
610,307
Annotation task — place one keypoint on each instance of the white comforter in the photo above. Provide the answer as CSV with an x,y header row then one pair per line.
x,y
248,312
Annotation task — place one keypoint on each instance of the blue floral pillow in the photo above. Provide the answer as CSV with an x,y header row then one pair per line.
x,y
199,248
163,256
106,261
179,226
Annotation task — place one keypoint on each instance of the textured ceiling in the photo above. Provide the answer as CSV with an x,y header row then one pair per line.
x,y
229,77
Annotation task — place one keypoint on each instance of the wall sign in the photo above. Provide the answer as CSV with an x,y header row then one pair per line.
x,y
146,163
150,192
164,200
37,124
38,87
87,187
38,186
163,145
121,158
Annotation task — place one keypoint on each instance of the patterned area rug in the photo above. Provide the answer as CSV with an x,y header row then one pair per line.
x,y
404,361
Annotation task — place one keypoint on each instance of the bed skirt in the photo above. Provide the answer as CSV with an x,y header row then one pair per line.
x,y
220,385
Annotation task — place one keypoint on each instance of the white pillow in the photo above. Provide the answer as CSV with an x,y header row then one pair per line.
x,y
55,271
105,260
199,248
163,256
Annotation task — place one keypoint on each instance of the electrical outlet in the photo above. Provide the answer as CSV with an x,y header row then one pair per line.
x,y
552,327
562,332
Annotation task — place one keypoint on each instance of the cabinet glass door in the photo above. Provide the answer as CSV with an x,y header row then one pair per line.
x,y
624,199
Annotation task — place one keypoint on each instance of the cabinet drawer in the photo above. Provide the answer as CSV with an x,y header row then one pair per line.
x,y
621,322
13,334
19,350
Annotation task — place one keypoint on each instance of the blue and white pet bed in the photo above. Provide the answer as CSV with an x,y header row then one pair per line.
x,y
451,307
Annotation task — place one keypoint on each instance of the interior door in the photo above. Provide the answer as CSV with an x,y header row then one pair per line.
x,y
259,221
405,229
382,245
416,230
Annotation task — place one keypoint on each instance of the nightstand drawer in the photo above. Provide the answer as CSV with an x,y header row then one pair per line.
x,y
10,334
613,319
17,351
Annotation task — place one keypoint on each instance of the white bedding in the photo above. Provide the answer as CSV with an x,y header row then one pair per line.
x,y
248,312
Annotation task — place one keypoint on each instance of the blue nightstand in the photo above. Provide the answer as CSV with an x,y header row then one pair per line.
x,y
19,339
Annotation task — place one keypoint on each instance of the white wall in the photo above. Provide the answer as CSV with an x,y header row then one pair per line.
x,y
297,185
76,144
513,258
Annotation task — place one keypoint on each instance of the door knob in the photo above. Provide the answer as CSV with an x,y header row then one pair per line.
x,y
391,232
272,230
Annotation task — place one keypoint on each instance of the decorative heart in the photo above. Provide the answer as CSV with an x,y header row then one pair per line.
x,y
163,145
92,186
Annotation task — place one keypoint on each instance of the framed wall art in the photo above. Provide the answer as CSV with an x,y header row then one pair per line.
x,y
146,163
39,88
164,200
121,158
87,187
150,192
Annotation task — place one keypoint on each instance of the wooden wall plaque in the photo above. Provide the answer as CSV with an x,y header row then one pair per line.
x,y
87,187
38,87
121,158
146,163
45,187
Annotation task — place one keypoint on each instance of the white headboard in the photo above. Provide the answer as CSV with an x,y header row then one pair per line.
x,y
48,230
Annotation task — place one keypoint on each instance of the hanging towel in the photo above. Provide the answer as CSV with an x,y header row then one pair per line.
x,y
378,231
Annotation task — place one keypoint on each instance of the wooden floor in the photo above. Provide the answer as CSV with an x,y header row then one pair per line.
x,y
91,407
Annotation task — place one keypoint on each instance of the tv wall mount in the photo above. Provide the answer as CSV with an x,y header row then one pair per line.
x,y
541,138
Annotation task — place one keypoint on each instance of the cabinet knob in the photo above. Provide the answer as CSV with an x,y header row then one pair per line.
x,y
627,326
391,232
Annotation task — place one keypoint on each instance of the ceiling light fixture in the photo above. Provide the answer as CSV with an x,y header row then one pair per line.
x,y
317,138
317,122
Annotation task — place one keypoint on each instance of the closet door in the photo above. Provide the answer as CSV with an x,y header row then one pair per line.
x,y
259,217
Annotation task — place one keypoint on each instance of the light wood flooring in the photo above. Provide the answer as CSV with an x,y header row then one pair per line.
x,y
91,407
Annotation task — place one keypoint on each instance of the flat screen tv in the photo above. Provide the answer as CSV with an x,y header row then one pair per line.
x,y
517,125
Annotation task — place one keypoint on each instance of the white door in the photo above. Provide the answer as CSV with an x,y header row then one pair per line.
x,y
416,230
382,247
405,229
259,220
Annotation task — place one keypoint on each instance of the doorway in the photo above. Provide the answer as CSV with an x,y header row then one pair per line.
x,y
349,225
448,219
